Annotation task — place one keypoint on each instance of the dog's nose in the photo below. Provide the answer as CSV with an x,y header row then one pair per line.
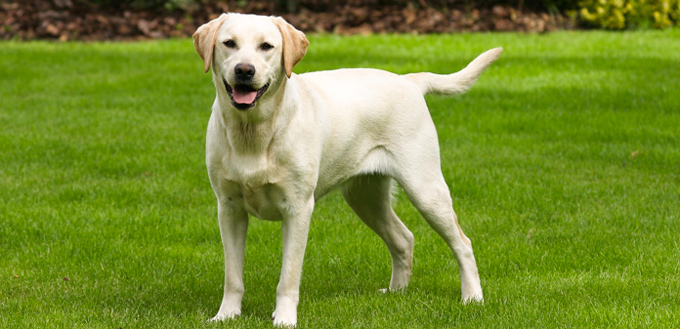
x,y
244,71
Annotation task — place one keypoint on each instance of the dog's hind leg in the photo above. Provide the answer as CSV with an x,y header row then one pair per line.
x,y
424,184
370,198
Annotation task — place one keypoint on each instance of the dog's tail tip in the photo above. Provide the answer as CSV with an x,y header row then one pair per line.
x,y
496,52
487,58
493,54
458,82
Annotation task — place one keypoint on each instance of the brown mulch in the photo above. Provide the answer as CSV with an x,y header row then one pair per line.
x,y
72,20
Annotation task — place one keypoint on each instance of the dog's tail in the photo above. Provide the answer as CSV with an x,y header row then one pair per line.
x,y
455,83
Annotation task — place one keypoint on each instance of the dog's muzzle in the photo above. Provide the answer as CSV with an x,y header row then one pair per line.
x,y
244,96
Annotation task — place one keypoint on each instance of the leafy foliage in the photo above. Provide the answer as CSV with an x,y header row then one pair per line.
x,y
622,14
608,14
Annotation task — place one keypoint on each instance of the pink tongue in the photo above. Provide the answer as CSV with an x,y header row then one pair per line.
x,y
244,97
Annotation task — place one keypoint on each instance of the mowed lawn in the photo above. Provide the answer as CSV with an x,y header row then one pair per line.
x,y
563,163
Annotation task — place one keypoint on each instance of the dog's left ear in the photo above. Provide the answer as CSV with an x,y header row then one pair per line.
x,y
204,39
294,44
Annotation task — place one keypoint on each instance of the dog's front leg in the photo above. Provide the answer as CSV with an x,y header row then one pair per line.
x,y
233,228
294,230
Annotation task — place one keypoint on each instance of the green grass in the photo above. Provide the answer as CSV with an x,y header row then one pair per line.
x,y
563,161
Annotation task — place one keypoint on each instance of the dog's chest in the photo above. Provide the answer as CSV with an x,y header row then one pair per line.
x,y
253,183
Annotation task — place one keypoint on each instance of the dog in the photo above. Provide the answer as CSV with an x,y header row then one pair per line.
x,y
277,142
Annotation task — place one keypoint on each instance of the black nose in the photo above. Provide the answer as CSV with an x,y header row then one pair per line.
x,y
244,71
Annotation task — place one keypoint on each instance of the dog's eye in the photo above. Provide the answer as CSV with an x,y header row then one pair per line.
x,y
230,44
266,46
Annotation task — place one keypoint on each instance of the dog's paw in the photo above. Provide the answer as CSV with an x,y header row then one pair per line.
x,y
392,290
229,309
473,299
284,321
221,316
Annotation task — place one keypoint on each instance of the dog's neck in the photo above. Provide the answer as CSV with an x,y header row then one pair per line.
x,y
252,131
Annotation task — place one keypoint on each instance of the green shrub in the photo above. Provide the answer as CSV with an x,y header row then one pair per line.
x,y
622,14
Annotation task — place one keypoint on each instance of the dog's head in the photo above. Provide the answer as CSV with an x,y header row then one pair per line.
x,y
249,54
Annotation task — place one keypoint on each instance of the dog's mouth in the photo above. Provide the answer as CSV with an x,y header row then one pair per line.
x,y
244,97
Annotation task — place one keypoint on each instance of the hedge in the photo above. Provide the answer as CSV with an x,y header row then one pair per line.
x,y
607,14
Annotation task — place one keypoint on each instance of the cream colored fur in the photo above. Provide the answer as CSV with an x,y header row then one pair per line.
x,y
352,129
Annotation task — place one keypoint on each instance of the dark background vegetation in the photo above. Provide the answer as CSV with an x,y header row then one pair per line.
x,y
325,5
133,19
142,19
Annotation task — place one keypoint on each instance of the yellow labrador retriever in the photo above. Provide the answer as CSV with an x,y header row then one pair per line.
x,y
277,142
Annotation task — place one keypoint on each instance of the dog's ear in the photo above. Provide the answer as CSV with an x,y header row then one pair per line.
x,y
204,39
294,44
